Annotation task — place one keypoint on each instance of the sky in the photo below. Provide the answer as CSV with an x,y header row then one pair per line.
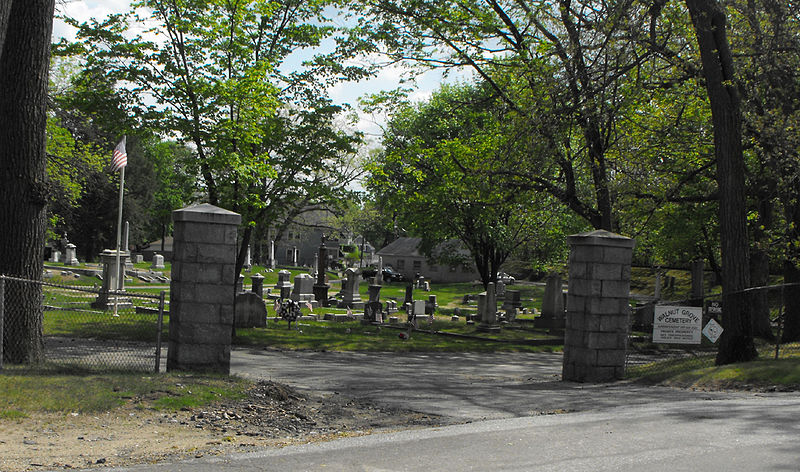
x,y
388,78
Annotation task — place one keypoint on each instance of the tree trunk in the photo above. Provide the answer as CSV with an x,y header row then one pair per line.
x,y
24,64
759,300
736,343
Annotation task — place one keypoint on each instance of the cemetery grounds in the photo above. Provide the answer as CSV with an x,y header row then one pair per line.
x,y
143,429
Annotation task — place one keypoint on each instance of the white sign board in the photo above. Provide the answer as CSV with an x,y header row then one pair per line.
x,y
712,331
677,324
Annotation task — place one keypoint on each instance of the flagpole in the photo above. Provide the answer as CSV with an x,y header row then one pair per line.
x,y
120,273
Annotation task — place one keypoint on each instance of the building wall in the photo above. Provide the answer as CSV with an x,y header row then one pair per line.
x,y
410,266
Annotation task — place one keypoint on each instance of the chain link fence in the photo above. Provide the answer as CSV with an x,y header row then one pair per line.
x,y
78,327
657,359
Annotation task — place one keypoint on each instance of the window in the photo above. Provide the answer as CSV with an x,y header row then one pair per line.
x,y
417,265
401,264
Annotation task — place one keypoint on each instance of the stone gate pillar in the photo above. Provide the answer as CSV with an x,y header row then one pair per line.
x,y
598,311
202,289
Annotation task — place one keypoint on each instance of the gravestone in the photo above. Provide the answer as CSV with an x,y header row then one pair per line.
x,y
138,258
511,315
201,292
512,300
69,257
55,256
248,262
321,285
553,315
643,317
284,285
417,312
373,312
409,295
391,306
272,254
303,288
257,284
431,305
158,262
500,288
239,284
374,291
598,310
350,296
487,308
251,311
113,280
126,246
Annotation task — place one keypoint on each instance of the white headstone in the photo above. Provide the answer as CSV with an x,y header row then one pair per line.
x,y
272,253
418,308
158,262
248,263
69,257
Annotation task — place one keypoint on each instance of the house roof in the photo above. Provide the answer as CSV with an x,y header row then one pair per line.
x,y
402,247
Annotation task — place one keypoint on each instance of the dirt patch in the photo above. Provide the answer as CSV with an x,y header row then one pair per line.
x,y
273,415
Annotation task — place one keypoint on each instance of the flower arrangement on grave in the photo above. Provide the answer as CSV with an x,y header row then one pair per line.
x,y
289,310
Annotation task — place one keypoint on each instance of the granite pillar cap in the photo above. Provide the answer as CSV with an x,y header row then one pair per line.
x,y
601,237
206,213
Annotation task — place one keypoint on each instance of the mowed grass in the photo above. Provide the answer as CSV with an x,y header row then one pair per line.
x,y
22,394
355,336
700,371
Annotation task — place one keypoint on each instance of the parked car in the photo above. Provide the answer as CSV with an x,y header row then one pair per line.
x,y
388,273
391,275
505,278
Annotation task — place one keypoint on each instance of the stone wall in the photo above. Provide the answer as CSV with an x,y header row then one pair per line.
x,y
202,289
598,310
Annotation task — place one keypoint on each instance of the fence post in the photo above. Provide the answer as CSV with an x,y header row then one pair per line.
x,y
161,299
2,315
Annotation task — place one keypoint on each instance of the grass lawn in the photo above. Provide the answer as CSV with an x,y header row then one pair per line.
x,y
355,336
87,392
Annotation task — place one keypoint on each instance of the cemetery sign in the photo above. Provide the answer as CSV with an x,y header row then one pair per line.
x,y
677,324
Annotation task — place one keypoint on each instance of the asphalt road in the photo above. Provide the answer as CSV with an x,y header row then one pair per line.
x,y
505,403
757,434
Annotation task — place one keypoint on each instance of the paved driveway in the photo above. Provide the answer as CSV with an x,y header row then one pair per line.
x,y
463,386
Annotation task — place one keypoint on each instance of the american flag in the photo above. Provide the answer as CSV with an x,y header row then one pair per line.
x,y
120,157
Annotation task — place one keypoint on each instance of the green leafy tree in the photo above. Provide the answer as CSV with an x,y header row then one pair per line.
x,y
765,36
441,174
266,142
567,68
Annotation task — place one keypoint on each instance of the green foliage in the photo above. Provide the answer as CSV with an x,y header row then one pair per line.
x,y
444,174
